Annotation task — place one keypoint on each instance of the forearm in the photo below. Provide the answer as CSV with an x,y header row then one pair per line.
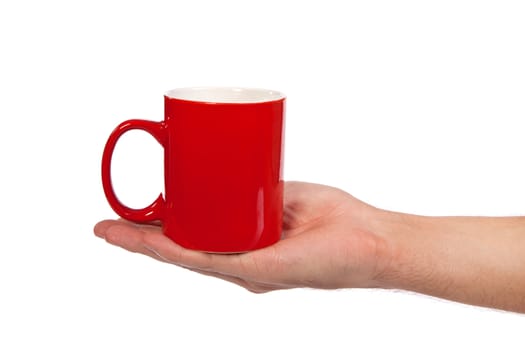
x,y
474,260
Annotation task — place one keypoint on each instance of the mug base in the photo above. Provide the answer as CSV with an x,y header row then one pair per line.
x,y
224,252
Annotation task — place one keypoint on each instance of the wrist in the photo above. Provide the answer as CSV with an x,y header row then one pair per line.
x,y
402,258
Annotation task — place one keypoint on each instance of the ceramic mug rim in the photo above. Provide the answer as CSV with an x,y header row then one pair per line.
x,y
235,95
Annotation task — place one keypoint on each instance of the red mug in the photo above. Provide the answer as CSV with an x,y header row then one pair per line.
x,y
223,164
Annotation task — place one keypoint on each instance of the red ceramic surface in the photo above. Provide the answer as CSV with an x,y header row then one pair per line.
x,y
223,169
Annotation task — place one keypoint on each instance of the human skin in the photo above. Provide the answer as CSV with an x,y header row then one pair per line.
x,y
332,240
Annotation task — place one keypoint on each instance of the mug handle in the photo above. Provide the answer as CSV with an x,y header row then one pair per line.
x,y
155,211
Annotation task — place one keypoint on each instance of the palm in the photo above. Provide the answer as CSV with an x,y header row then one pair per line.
x,y
326,231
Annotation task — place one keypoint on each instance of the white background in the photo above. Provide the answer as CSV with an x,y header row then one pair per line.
x,y
409,105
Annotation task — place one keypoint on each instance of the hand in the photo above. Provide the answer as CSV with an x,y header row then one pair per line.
x,y
328,241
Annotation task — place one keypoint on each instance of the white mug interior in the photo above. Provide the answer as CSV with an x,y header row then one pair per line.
x,y
225,95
